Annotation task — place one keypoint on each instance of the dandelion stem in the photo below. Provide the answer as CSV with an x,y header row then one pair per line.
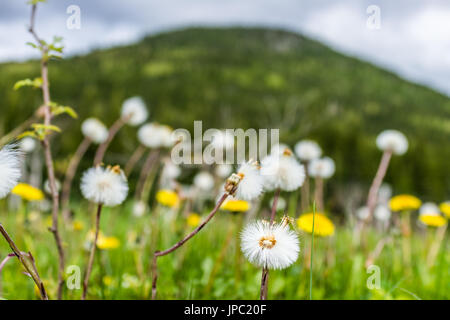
x,y
312,253
180,243
137,154
434,250
318,193
92,253
101,150
47,151
265,271
305,191
377,181
274,205
70,174
145,172
31,269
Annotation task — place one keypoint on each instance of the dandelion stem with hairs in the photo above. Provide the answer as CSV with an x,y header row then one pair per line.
x,y
94,131
134,112
92,253
312,252
104,187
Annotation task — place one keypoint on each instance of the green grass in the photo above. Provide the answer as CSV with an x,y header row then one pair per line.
x,y
210,266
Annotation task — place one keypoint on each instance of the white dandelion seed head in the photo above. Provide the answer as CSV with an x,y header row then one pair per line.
x,y
155,135
251,183
382,213
107,186
322,168
392,140
307,150
204,181
135,109
222,140
139,208
94,130
429,208
278,148
27,144
270,246
10,169
362,213
282,171
170,171
223,170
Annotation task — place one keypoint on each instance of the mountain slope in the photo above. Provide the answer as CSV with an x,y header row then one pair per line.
x,y
252,78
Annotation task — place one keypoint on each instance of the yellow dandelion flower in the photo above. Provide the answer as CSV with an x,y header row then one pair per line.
x,y
445,208
108,243
27,192
77,225
108,280
404,202
167,198
322,225
433,220
236,205
193,219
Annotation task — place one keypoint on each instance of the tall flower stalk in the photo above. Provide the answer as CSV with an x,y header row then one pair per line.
x,y
134,112
104,187
94,132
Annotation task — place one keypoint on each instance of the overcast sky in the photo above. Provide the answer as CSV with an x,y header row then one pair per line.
x,y
413,41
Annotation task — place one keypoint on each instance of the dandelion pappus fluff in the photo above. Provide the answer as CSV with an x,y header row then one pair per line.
x,y
393,141
247,183
95,130
322,168
282,171
135,111
10,164
107,186
307,150
269,246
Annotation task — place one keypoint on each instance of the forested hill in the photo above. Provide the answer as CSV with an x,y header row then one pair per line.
x,y
251,78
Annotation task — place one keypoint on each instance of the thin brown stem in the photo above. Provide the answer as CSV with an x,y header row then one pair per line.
x,y
101,150
135,157
376,183
318,193
265,271
264,284
30,268
434,250
18,130
92,253
305,191
48,153
180,243
274,205
145,172
70,174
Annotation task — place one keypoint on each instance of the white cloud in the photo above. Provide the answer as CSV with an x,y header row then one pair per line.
x,y
414,39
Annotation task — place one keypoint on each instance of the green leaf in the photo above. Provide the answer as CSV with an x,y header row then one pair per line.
x,y
58,109
36,82
28,134
44,127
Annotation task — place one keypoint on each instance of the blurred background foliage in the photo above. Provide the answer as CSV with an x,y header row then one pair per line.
x,y
249,78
